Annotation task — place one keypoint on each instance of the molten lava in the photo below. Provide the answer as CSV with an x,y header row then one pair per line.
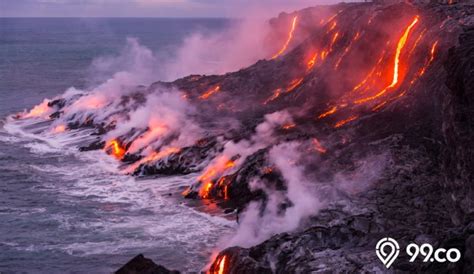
x,y
346,50
276,94
312,62
396,65
343,122
38,111
220,266
161,154
333,26
288,126
369,75
432,56
59,129
116,149
318,147
209,93
212,172
327,113
417,41
294,84
288,41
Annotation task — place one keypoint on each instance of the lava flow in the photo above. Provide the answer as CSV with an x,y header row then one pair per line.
x,y
115,148
318,146
396,65
214,171
288,41
220,265
209,93
59,129
276,94
38,111
432,56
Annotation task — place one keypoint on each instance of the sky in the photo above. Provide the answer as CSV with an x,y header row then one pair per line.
x,y
145,8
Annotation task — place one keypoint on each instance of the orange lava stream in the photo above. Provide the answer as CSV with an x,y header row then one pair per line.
x,y
333,26
346,50
290,37
396,66
288,126
209,93
333,40
276,94
369,74
432,56
327,113
343,122
159,155
221,265
59,129
417,41
117,150
294,84
312,62
153,157
211,173
39,110
318,147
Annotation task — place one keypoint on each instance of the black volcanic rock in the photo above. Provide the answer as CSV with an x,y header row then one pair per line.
x,y
458,127
142,265
425,196
187,160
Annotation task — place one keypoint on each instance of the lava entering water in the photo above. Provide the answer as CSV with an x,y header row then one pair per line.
x,y
116,149
220,265
212,172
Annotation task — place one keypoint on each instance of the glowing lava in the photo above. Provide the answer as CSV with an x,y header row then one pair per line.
x,y
396,65
343,122
212,172
59,129
432,56
290,37
39,111
288,126
220,265
318,147
346,50
328,112
294,84
312,61
209,93
276,94
116,149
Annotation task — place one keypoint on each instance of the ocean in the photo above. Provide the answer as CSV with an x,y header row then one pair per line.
x,y
62,211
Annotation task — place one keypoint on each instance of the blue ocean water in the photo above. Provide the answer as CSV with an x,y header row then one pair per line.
x,y
62,211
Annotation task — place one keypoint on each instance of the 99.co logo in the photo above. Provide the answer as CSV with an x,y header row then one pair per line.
x,y
441,255
388,249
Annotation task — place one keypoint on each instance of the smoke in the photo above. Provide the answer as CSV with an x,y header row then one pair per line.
x,y
367,171
114,77
164,116
239,46
304,197
135,64
259,221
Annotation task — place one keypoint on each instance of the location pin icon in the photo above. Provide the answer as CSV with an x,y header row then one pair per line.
x,y
387,250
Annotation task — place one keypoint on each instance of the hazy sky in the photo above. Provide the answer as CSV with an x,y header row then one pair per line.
x,y
139,8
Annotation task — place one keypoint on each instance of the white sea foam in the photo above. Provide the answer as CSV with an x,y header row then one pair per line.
x,y
140,207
